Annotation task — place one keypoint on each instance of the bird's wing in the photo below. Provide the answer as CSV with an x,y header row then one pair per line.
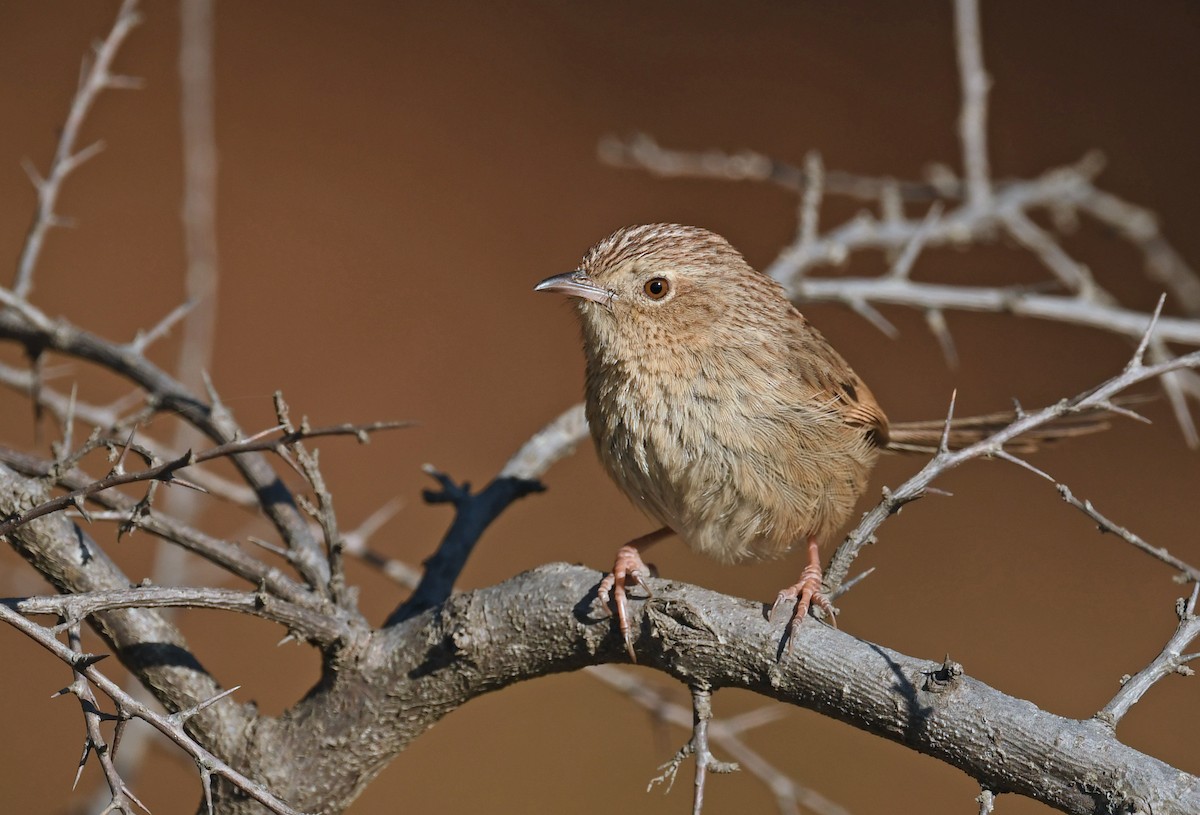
x,y
831,378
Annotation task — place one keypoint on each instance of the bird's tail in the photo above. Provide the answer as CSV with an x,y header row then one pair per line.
x,y
925,437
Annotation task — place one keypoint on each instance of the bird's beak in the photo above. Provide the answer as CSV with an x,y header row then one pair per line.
x,y
577,284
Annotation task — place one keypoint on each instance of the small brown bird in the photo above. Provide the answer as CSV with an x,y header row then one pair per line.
x,y
719,410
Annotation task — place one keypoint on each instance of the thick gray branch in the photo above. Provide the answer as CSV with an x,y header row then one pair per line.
x,y
542,622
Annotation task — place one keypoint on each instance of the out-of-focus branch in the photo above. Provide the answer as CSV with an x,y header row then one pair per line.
x,y
972,121
1061,191
357,544
641,152
1139,226
1017,301
199,213
199,188
96,76
473,514
555,441
725,733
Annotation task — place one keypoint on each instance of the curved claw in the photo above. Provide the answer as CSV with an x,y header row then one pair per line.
x,y
807,592
628,569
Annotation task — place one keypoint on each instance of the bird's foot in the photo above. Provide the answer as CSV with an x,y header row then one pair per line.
x,y
628,570
808,592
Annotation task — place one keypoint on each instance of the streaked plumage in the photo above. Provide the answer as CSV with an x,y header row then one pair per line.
x,y
743,438
722,412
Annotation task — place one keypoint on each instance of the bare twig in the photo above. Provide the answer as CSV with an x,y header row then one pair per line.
x,y
129,707
356,544
1074,276
915,487
120,796
324,514
144,339
1170,660
97,76
902,268
1105,525
167,471
322,629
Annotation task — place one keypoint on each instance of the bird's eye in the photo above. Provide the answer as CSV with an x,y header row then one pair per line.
x,y
656,288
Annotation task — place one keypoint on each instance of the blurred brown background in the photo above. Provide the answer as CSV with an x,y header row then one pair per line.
x,y
394,178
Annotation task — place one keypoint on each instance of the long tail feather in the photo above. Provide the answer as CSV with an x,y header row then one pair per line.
x,y
925,437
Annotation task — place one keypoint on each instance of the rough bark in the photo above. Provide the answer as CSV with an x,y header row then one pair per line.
x,y
321,753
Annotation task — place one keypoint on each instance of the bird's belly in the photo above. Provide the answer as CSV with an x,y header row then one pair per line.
x,y
732,484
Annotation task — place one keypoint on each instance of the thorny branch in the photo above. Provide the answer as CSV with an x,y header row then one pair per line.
x,y
121,797
167,472
1106,525
1100,397
125,510
28,326
96,76
1171,660
314,626
985,208
127,707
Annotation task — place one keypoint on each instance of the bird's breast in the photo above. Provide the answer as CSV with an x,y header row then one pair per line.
x,y
726,458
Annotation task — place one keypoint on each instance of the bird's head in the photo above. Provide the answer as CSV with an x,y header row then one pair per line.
x,y
662,282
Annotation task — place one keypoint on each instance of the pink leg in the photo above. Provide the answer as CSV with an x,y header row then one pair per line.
x,y
628,570
806,592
